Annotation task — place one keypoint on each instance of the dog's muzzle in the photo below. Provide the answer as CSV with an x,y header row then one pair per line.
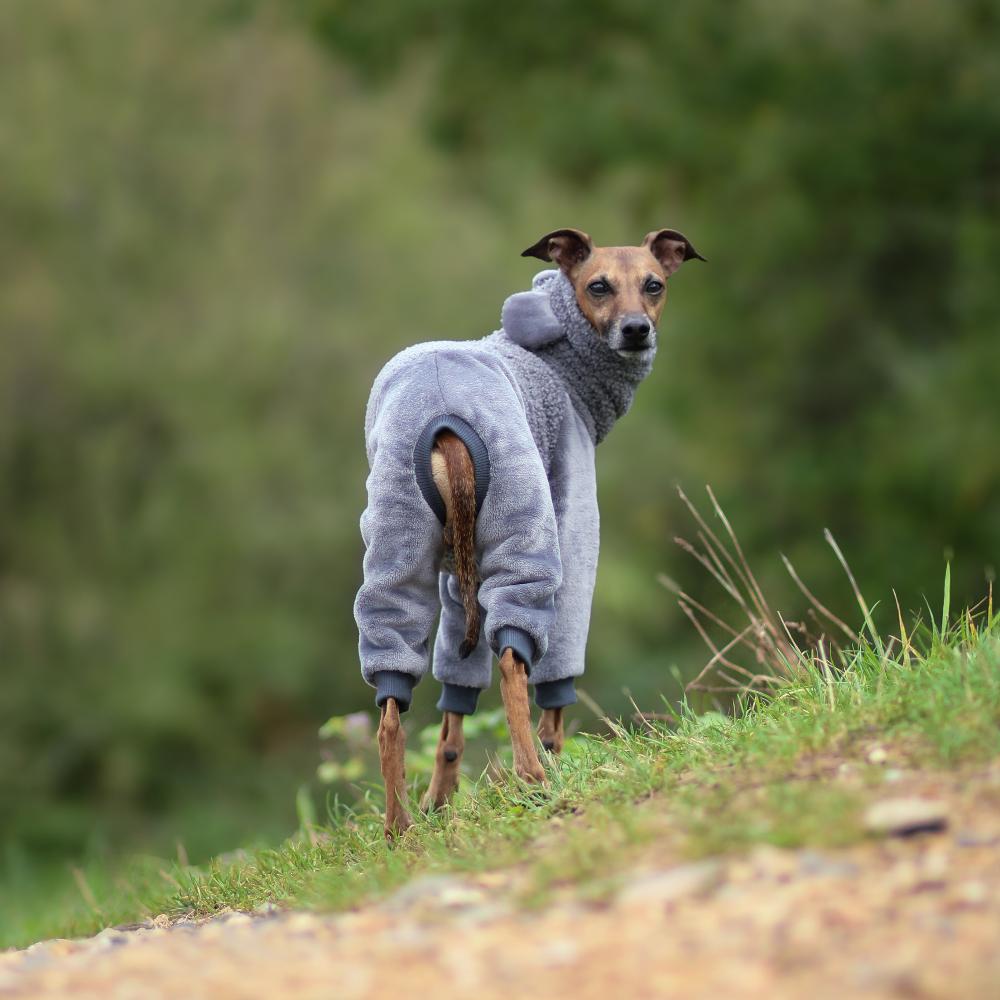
x,y
632,335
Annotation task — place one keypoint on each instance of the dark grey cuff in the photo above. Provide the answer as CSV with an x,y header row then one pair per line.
x,y
555,694
422,461
519,641
393,684
458,698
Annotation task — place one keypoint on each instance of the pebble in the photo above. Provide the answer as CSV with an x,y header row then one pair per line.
x,y
110,938
444,891
302,923
972,893
903,817
658,888
558,952
815,863
969,839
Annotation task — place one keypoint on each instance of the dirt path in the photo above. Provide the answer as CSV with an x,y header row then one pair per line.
x,y
896,917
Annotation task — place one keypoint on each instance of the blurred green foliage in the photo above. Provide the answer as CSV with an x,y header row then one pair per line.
x,y
350,753
218,220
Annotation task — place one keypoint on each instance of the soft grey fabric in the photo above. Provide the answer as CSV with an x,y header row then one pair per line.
x,y
540,393
516,535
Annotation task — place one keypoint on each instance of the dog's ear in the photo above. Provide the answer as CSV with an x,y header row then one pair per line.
x,y
670,248
567,247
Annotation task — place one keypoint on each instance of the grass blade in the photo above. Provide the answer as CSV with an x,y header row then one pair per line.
x,y
876,639
903,637
946,608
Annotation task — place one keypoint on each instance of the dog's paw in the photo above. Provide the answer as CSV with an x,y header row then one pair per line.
x,y
533,774
397,825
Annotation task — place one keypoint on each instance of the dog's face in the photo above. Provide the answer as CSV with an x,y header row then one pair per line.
x,y
621,290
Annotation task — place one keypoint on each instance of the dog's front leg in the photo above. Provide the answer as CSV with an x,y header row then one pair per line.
x,y
447,762
514,691
550,730
391,752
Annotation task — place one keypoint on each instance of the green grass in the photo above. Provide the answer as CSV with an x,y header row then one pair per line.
x,y
703,785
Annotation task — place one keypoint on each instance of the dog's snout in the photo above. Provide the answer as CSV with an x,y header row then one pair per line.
x,y
635,331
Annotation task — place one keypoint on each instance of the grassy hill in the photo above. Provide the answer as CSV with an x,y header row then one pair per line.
x,y
793,766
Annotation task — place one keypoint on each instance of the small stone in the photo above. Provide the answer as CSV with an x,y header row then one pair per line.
x,y
972,893
815,863
302,923
211,930
772,862
493,880
659,888
109,938
936,864
439,891
904,817
877,755
485,914
54,948
559,952
970,839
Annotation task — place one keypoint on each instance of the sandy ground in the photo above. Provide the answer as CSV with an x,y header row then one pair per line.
x,y
915,916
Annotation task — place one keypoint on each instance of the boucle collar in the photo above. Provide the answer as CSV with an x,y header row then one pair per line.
x,y
548,322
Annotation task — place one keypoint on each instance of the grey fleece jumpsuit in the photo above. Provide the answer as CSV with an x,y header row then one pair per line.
x,y
530,402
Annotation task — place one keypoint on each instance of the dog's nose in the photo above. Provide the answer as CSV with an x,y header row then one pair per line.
x,y
635,332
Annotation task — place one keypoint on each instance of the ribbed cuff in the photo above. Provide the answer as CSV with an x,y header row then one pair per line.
x,y
458,698
422,461
393,684
555,694
519,641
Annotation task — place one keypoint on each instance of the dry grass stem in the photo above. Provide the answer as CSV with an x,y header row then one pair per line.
x,y
778,655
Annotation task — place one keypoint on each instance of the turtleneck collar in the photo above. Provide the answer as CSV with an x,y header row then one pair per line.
x,y
548,322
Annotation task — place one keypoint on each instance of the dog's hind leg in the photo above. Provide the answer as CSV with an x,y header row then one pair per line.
x,y
447,763
514,691
550,730
391,751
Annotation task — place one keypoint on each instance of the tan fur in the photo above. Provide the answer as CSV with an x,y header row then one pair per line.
x,y
447,763
627,270
550,730
439,472
391,751
454,475
514,691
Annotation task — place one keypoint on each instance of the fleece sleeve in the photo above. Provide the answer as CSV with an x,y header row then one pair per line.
x,y
516,535
517,538
397,604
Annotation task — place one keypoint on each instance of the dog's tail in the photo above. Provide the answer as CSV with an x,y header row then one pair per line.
x,y
460,528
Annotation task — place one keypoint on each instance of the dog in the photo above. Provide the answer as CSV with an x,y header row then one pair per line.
x,y
482,501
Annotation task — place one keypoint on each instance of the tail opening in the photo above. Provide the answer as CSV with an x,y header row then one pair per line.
x,y
455,478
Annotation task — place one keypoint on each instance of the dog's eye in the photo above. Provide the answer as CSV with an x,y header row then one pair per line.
x,y
654,287
598,287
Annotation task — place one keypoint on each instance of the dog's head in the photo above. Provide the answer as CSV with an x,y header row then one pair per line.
x,y
621,290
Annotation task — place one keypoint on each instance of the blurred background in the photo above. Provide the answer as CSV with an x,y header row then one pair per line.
x,y
217,222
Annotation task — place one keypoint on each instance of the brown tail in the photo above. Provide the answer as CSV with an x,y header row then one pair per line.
x,y
460,529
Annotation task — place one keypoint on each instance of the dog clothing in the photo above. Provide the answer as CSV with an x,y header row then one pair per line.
x,y
530,402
